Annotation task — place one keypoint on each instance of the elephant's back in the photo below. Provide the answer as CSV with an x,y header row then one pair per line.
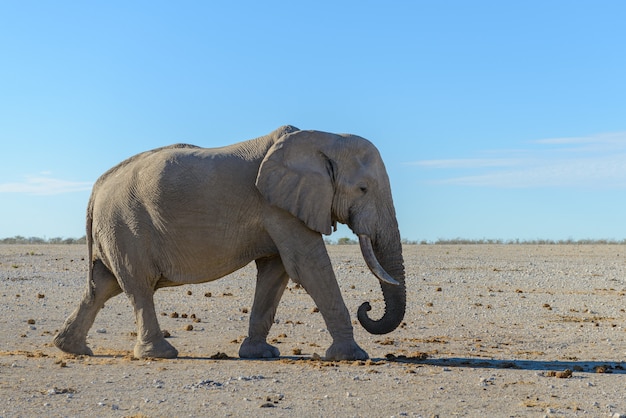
x,y
161,186
126,192
140,159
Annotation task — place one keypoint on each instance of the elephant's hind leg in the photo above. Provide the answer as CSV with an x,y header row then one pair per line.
x,y
72,338
271,282
150,340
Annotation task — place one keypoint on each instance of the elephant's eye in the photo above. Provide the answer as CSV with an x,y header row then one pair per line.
x,y
363,189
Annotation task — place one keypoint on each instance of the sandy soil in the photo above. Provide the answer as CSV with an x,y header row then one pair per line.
x,y
502,330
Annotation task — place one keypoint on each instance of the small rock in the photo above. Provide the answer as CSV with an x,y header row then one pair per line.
x,y
101,331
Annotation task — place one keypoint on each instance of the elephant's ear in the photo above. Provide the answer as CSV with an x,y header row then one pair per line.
x,y
298,177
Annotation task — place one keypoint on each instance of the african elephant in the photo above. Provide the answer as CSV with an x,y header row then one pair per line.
x,y
183,214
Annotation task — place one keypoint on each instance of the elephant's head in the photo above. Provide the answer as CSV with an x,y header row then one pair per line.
x,y
324,178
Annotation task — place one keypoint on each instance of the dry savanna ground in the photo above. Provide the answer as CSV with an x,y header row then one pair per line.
x,y
490,330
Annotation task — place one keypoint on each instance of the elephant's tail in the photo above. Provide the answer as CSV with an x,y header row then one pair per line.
x,y
89,237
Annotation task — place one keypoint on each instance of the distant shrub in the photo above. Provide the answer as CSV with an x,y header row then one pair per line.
x,y
346,241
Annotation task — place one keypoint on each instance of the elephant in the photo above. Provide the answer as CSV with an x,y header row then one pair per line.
x,y
183,214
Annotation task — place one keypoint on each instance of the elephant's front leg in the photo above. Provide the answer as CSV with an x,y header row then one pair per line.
x,y
321,284
271,282
306,261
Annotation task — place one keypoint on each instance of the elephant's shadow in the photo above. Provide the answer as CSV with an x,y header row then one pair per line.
x,y
580,366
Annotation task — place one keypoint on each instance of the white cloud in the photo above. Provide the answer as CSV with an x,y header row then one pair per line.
x,y
597,161
469,163
612,139
44,185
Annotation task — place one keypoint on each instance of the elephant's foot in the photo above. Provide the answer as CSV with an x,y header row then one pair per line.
x,y
257,349
71,346
156,349
349,350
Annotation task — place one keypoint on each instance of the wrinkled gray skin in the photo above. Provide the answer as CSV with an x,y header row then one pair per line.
x,y
184,214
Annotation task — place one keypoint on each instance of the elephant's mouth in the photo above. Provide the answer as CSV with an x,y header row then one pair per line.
x,y
372,262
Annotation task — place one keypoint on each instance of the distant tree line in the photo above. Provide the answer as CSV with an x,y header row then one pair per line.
x,y
569,241
464,241
18,239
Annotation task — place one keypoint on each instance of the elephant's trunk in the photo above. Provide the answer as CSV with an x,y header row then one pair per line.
x,y
385,261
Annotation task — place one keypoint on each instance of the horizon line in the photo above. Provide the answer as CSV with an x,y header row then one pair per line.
x,y
23,240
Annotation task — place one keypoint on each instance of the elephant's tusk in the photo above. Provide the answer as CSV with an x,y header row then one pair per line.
x,y
372,262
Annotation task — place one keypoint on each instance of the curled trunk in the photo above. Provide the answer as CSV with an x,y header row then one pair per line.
x,y
385,261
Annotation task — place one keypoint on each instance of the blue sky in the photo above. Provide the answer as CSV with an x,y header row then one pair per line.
x,y
495,119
